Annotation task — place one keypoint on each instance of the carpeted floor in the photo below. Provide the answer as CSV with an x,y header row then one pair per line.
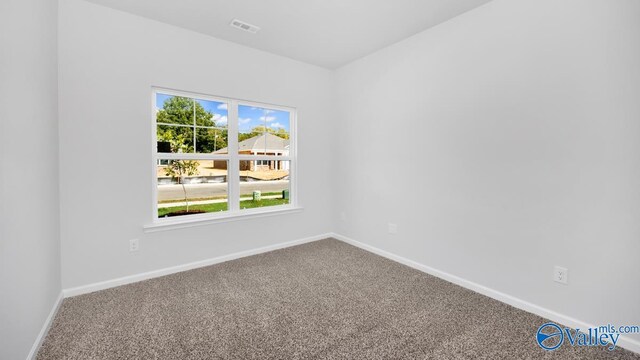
x,y
322,300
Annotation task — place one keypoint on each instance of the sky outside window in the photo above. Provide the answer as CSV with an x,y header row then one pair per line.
x,y
250,117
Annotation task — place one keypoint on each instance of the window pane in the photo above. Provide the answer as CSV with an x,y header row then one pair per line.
x,y
174,139
211,113
187,187
264,183
211,140
263,131
179,117
174,109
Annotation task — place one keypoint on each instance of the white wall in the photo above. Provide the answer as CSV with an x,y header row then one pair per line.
x,y
502,143
29,230
108,62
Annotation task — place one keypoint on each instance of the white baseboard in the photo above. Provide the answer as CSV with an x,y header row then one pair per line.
x,y
85,289
45,329
623,341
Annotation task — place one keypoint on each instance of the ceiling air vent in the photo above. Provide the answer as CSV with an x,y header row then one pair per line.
x,y
244,26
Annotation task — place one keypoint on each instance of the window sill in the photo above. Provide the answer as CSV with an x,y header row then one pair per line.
x,y
207,219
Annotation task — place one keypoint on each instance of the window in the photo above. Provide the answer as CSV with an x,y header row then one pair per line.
x,y
217,157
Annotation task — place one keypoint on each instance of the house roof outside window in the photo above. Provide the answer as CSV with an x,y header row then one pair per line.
x,y
266,143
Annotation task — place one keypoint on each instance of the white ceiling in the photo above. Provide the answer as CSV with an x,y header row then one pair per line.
x,y
328,33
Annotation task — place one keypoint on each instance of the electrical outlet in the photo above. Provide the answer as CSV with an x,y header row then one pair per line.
x,y
561,275
134,245
393,228
343,216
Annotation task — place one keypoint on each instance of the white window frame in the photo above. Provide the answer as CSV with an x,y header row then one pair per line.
x,y
233,211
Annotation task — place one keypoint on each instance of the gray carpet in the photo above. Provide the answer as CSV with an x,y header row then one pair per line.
x,y
322,300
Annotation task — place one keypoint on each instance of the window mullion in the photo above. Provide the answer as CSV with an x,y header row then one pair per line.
x,y
195,145
233,179
191,156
